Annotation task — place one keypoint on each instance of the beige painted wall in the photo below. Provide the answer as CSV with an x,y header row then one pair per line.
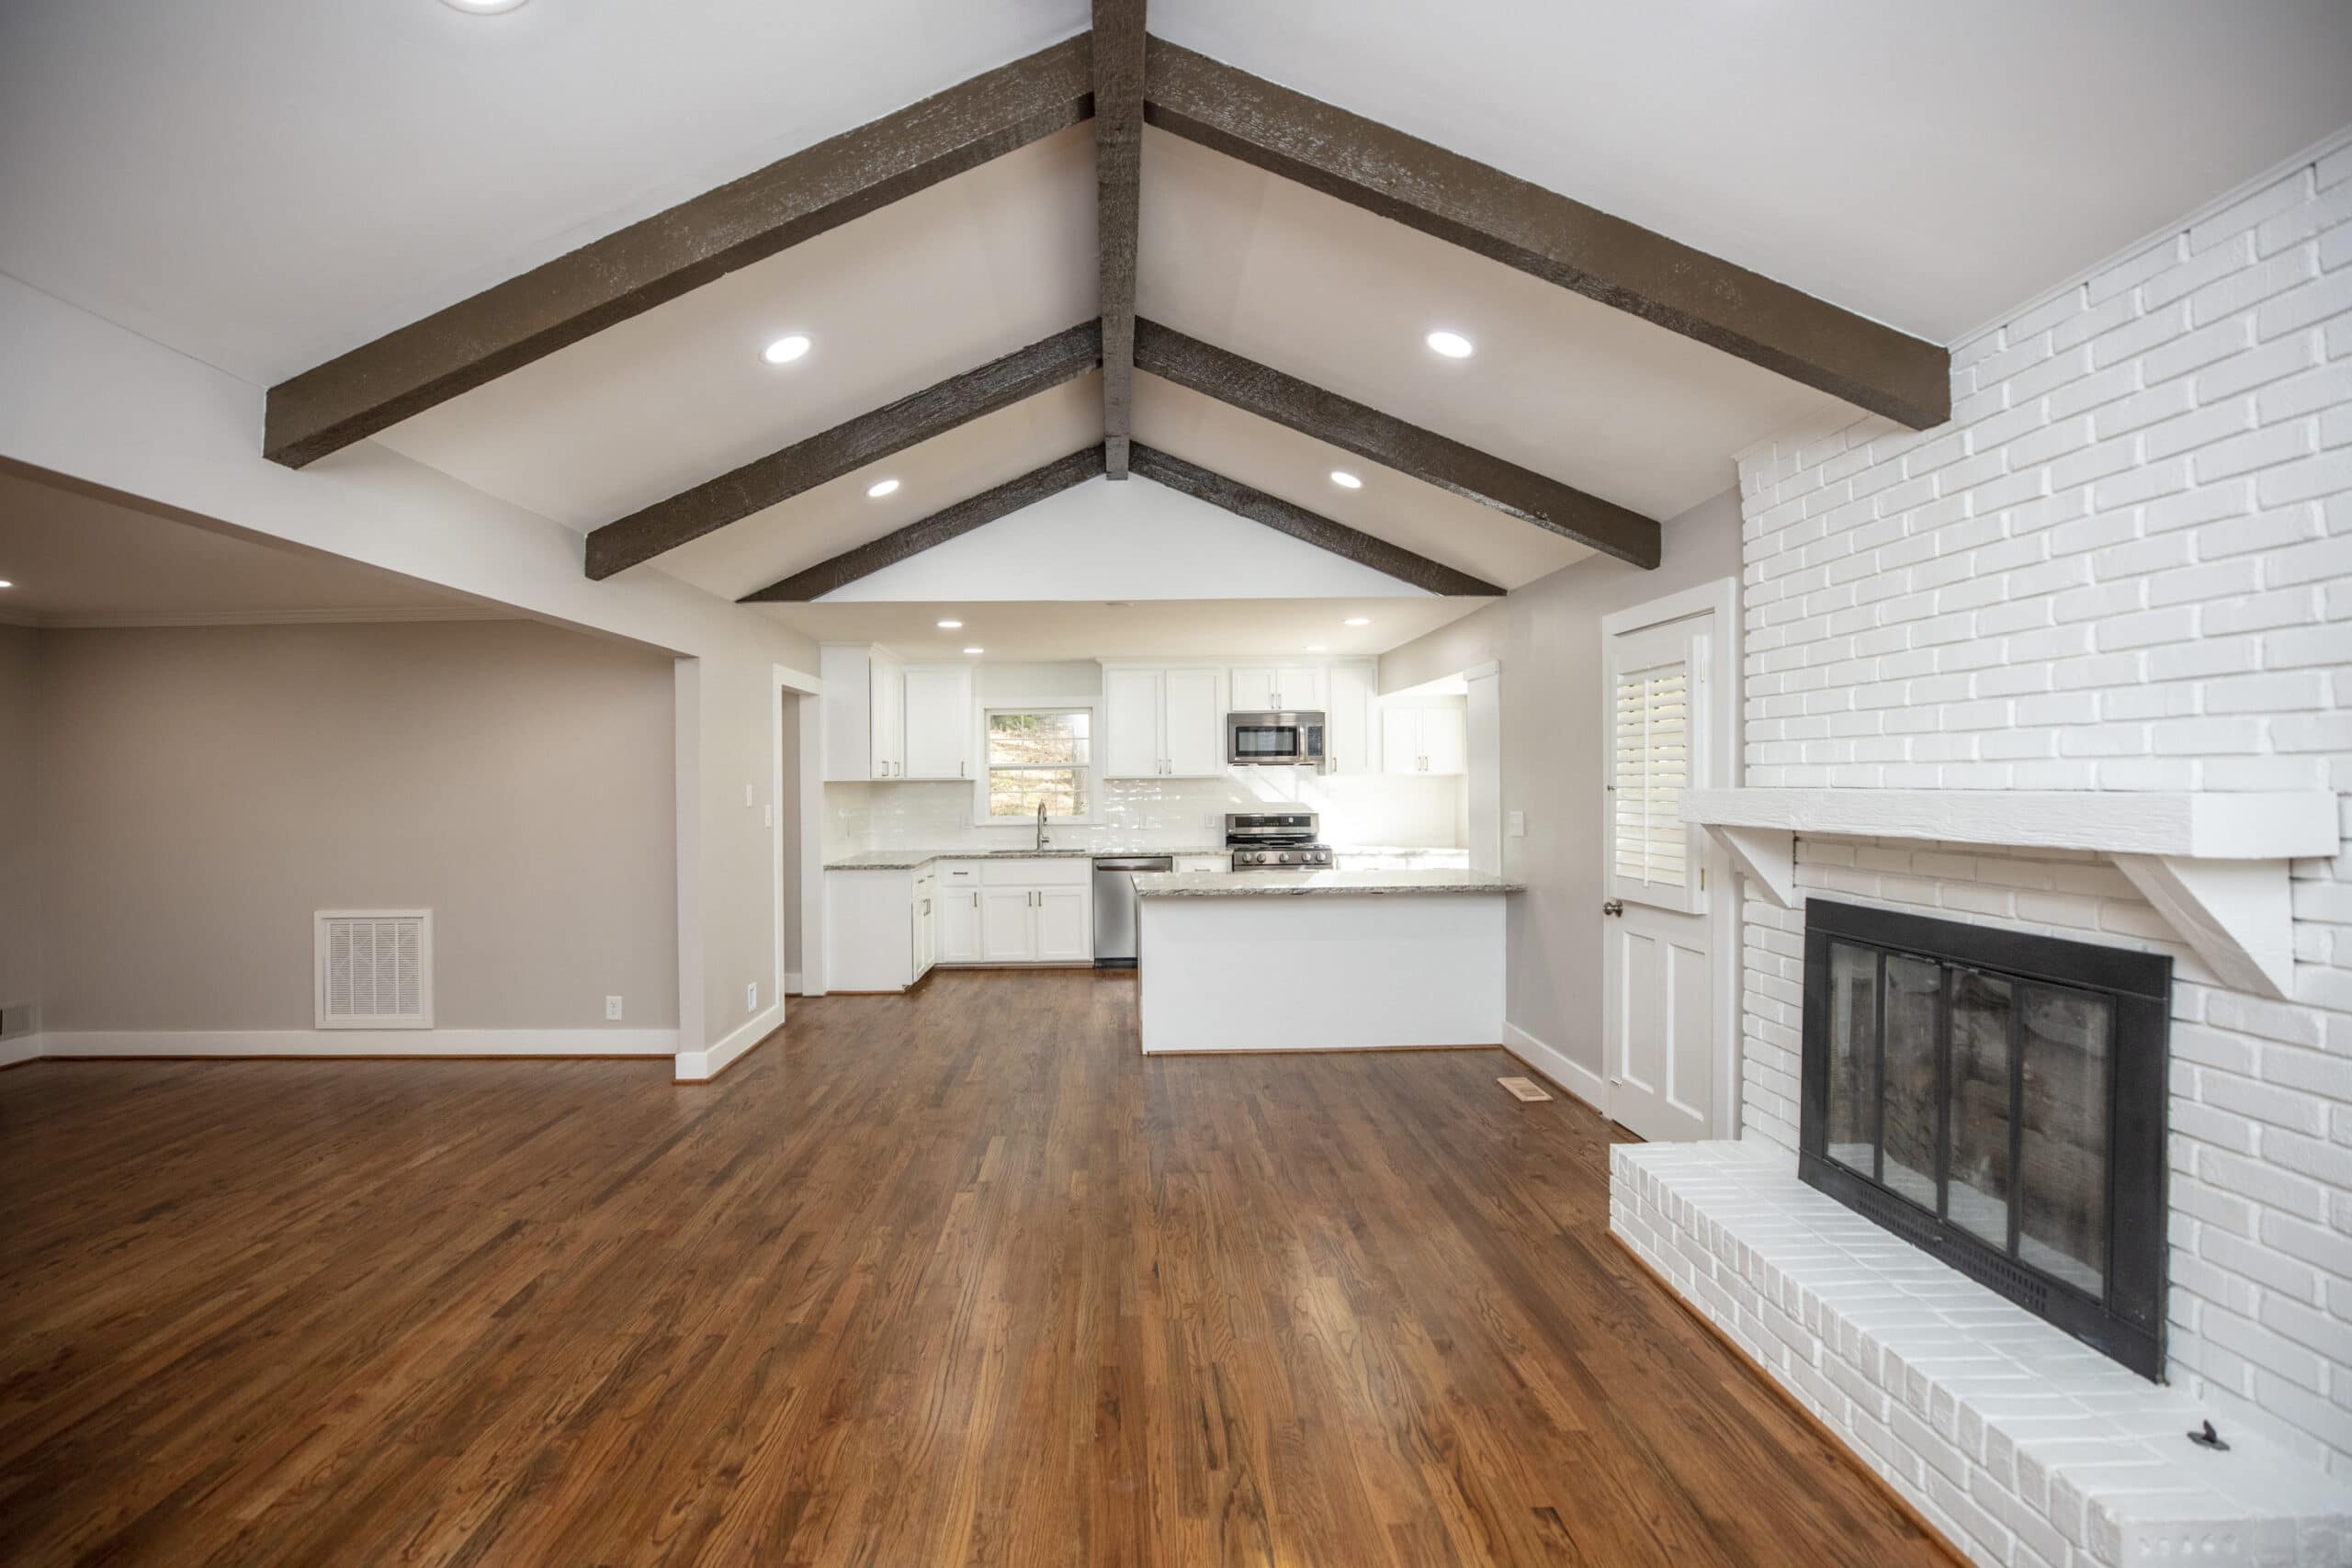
x,y
1547,637
203,790
19,822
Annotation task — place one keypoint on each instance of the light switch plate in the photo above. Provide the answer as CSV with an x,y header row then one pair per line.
x,y
1518,820
751,997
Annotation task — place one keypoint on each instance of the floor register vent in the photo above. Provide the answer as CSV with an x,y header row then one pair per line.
x,y
374,968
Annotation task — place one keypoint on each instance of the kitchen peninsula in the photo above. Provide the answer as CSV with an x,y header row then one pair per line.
x,y
1320,960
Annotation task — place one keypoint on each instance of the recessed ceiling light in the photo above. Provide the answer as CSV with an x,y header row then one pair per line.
x,y
1453,346
951,625
784,350
1357,621
1345,479
481,7
976,651
5,584
1314,648
881,488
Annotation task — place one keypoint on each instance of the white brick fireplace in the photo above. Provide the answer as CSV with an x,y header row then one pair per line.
x,y
2124,565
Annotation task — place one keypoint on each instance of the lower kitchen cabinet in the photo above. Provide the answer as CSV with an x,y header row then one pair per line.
x,y
1037,911
883,930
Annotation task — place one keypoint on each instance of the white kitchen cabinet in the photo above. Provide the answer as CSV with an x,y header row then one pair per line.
x,y
938,722
1204,862
1287,689
1351,733
1164,723
865,713
1425,741
1008,925
923,917
1065,925
956,906
870,941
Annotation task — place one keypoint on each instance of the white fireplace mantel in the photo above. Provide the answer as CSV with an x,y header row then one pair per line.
x,y
2214,864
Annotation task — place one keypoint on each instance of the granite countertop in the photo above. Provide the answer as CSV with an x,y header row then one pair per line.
x,y
909,859
1302,884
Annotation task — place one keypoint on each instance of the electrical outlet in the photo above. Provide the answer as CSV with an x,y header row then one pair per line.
x,y
751,997
1518,824
612,1009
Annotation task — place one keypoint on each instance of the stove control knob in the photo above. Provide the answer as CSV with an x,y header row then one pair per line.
x,y
1288,857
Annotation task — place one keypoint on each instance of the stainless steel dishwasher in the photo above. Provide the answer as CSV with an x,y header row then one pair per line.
x,y
1114,906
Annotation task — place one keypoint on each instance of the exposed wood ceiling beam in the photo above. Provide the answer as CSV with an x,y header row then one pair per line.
x,y
1481,209
1310,527
526,318
1391,443
846,447
1118,171
936,529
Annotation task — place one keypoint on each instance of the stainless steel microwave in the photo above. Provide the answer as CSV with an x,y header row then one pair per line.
x,y
1274,740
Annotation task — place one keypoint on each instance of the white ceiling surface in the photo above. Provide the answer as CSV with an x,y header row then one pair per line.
x,y
1155,628
1929,165
820,524
264,183
924,288
79,558
1338,297
267,182
1421,517
1133,539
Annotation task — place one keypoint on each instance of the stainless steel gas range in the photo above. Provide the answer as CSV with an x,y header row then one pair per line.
x,y
1276,841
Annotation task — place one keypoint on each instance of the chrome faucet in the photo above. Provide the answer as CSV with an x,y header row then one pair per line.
x,y
1041,824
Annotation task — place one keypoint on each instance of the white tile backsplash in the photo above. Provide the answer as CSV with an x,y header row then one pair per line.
x,y
1357,808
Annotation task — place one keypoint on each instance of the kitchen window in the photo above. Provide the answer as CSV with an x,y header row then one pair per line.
x,y
1040,756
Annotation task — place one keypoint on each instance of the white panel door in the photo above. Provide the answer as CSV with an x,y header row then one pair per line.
x,y
1008,927
958,917
1657,985
1194,722
1445,741
939,723
1131,701
1349,742
1065,926
1253,691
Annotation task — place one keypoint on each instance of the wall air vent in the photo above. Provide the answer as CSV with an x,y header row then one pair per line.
x,y
374,968
18,1019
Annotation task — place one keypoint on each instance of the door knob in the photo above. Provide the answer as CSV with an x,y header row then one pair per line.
x,y
1613,907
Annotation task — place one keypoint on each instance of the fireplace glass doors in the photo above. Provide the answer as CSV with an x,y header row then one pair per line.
x,y
1996,1098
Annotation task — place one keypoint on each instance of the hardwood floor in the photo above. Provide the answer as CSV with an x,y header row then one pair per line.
x,y
957,1277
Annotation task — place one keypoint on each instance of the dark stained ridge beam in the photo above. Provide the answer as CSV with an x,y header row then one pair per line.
x,y
1539,232
1391,443
848,447
1118,171
1311,527
820,188
936,529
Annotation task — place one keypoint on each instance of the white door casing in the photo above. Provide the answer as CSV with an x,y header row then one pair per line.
x,y
1670,926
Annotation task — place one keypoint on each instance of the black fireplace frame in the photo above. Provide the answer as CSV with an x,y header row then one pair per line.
x,y
2128,1322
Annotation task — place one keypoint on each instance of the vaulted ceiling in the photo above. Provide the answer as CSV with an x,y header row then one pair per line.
x,y
270,183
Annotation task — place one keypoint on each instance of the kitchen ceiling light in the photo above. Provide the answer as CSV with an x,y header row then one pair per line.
x,y
1357,621
784,350
951,625
5,584
1453,346
1345,479
1314,648
881,488
976,651
481,7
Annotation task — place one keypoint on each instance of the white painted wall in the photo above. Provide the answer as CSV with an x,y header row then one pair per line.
x,y
87,399
2126,564
1548,638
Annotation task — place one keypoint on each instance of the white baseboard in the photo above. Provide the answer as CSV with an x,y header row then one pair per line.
x,y
696,1067
1582,1082
792,983
23,1048
589,1041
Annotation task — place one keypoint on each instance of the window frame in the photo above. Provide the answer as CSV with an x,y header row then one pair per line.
x,y
1093,815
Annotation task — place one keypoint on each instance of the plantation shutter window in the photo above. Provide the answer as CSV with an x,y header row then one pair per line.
x,y
1654,729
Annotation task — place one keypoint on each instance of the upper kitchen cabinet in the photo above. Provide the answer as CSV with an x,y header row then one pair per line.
x,y
938,742
865,713
1289,689
1425,739
1351,709
1164,722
